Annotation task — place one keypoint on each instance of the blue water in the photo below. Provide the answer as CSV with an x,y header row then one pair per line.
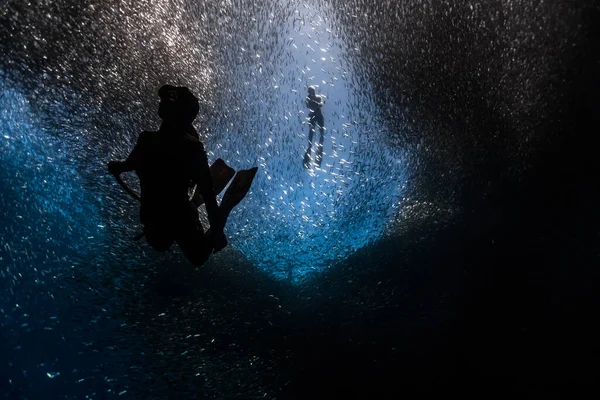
x,y
52,230
450,234
295,222
76,312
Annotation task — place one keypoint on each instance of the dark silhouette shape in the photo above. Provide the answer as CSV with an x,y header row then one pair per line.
x,y
315,117
168,163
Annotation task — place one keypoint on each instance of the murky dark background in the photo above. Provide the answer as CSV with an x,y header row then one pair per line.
x,y
450,237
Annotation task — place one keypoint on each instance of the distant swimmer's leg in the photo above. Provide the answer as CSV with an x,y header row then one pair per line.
x,y
306,160
319,156
311,133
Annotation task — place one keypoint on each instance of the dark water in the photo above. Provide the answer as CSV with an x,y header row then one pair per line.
x,y
450,236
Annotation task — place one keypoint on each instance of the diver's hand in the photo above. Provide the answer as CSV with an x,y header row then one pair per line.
x,y
219,240
115,167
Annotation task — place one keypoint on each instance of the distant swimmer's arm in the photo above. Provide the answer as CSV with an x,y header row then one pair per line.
x,y
314,102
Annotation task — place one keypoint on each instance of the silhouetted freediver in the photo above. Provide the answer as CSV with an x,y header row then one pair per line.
x,y
168,163
314,103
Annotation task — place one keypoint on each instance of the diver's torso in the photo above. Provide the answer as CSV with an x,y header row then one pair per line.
x,y
164,167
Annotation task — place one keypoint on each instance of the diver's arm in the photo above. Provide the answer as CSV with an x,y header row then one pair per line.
x,y
118,167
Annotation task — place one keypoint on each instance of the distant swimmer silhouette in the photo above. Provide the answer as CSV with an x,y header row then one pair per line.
x,y
171,163
315,117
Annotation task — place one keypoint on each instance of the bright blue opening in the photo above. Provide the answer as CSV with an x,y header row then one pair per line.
x,y
296,221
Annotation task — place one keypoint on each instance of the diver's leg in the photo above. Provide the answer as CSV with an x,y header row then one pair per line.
x,y
221,174
193,242
237,190
158,236
157,227
196,247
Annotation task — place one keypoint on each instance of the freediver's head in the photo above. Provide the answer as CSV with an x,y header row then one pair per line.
x,y
311,90
178,105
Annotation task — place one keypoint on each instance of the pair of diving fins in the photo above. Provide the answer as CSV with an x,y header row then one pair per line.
x,y
221,174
